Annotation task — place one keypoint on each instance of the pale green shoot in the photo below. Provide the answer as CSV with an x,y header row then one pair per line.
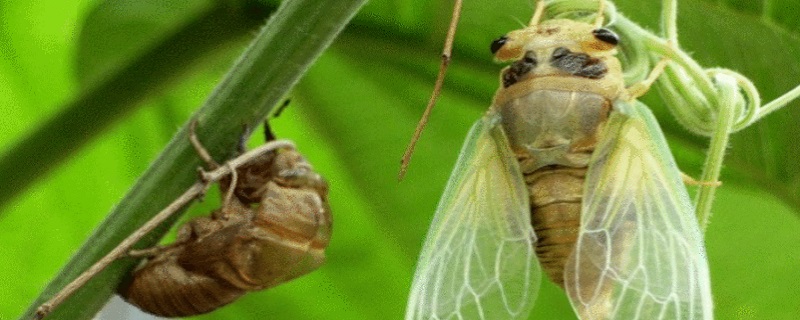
x,y
713,102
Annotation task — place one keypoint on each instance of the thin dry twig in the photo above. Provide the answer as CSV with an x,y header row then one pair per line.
x,y
437,88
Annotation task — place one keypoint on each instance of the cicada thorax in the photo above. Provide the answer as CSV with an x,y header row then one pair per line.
x,y
554,101
274,230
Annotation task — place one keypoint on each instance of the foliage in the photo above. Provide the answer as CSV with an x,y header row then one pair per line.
x,y
352,115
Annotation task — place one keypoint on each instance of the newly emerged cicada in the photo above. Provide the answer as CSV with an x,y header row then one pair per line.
x,y
274,227
569,172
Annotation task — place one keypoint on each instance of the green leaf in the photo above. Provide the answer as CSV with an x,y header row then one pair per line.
x,y
352,116
117,32
119,82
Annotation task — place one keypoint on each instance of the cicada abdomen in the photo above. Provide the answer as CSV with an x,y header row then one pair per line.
x,y
555,214
168,287
553,104
265,236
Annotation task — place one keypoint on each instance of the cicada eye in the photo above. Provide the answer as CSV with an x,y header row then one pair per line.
x,y
606,36
498,43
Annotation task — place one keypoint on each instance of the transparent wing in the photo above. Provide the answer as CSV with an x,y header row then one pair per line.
x,y
478,260
640,252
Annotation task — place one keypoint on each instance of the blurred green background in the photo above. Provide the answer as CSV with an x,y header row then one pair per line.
x,y
352,115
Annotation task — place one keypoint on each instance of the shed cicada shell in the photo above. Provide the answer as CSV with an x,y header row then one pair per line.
x,y
566,172
273,227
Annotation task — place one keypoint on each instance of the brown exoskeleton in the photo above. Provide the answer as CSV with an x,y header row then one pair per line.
x,y
275,229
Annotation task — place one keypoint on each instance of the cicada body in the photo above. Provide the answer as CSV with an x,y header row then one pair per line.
x,y
568,172
275,229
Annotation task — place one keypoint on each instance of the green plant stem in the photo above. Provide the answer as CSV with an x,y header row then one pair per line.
x,y
669,20
716,149
284,49
778,103
673,52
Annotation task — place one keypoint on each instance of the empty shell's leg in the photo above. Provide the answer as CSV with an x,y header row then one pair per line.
x,y
231,187
268,134
242,145
149,252
198,147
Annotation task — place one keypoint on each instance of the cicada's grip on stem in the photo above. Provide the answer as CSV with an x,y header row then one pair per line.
x,y
274,230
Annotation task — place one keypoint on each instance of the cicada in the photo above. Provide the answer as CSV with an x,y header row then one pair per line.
x,y
274,227
569,173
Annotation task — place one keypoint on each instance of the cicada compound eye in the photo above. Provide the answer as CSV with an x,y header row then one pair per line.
x,y
498,43
606,36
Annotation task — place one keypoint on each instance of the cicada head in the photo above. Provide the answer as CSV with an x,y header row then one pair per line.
x,y
552,34
560,48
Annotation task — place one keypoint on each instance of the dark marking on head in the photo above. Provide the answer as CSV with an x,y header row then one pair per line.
x,y
606,36
498,43
548,31
593,71
560,52
519,68
577,64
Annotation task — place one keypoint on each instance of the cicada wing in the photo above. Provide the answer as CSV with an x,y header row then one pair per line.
x,y
478,260
640,251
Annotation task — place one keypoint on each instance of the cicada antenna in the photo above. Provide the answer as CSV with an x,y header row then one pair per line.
x,y
538,14
601,8
437,88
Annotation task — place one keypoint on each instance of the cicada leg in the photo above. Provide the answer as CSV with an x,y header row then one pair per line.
x,y
229,184
538,14
689,180
640,88
242,145
198,147
231,189
150,252
268,134
195,228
